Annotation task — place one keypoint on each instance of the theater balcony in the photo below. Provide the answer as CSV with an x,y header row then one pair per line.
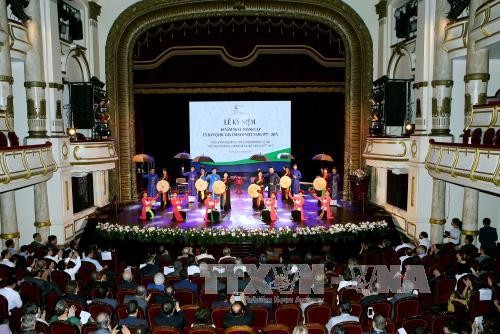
x,y
93,155
18,39
22,166
455,38
386,150
486,28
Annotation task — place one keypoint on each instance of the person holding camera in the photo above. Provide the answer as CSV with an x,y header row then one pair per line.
x,y
453,235
239,314
171,315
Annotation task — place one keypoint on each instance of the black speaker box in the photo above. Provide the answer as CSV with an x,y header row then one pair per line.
x,y
396,95
82,105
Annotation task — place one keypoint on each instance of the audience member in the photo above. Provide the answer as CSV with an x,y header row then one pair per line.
x,y
239,314
132,320
345,310
488,235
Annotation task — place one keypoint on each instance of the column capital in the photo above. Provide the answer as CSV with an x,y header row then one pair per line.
x,y
421,84
7,236
43,224
33,84
466,232
381,9
7,78
437,221
446,83
94,10
484,77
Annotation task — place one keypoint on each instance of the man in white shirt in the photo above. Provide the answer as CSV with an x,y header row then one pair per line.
x,y
6,255
73,267
404,245
12,296
204,255
345,309
91,258
421,251
423,240
226,252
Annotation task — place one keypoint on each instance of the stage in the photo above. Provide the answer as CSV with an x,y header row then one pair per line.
x,y
242,216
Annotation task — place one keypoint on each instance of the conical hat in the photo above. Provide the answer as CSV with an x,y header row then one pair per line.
x,y
201,185
253,190
319,184
285,182
162,186
219,187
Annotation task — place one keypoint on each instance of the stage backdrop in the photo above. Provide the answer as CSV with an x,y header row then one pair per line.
x,y
230,132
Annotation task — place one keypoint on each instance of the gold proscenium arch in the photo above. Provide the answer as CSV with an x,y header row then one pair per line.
x,y
147,14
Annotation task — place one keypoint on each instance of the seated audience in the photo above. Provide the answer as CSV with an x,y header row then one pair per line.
x,y
13,297
171,315
203,318
102,297
345,310
203,256
158,284
379,323
239,314
91,257
63,312
140,297
127,280
28,324
72,295
132,320
37,241
226,254
185,283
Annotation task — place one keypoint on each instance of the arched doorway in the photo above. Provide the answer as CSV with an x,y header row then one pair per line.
x,y
150,13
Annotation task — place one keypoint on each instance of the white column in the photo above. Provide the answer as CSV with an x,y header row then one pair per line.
x,y
438,218
42,218
469,212
383,43
442,77
34,75
94,12
6,80
8,216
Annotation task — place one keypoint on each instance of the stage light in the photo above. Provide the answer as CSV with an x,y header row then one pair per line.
x,y
409,128
71,132
17,8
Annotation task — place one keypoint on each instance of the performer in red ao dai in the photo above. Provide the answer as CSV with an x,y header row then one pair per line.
x,y
325,204
271,206
210,207
257,202
298,202
176,206
147,205
238,182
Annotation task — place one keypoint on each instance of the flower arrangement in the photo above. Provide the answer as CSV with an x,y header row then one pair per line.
x,y
211,236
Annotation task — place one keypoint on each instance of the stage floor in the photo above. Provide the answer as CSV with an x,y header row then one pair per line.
x,y
243,216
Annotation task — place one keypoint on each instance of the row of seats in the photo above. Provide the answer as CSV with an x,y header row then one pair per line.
x,y
490,138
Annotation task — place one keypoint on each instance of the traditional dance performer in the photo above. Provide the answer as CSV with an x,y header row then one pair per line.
x,y
257,203
192,175
284,191
238,182
202,195
325,212
273,182
147,206
211,213
177,215
335,179
165,196
326,176
211,179
225,202
296,176
298,203
271,208
152,181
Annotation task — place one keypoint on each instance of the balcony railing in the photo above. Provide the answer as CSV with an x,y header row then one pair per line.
x,y
390,148
93,153
23,166
475,167
455,38
486,28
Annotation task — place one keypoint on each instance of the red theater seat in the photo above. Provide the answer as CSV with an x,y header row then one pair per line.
x,y
287,314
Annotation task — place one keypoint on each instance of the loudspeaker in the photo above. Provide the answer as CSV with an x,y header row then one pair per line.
x,y
82,107
395,104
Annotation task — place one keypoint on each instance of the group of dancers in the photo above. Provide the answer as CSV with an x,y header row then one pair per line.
x,y
203,192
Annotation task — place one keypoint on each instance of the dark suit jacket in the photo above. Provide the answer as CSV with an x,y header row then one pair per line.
x,y
150,269
133,321
45,287
238,320
163,299
127,285
176,320
110,301
140,301
36,244
488,236
75,298
368,300
186,284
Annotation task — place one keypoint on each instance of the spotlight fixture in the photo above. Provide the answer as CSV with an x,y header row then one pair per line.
x,y
71,132
17,8
409,128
